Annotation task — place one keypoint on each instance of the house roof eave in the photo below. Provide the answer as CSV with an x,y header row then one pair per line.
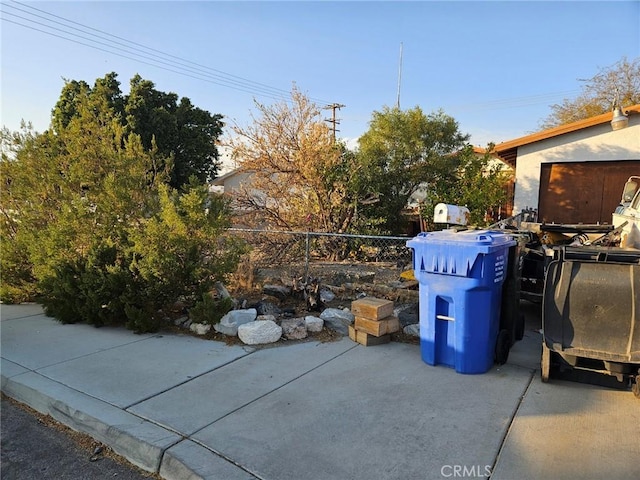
x,y
508,150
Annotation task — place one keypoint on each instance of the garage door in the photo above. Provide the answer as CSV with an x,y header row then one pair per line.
x,y
586,192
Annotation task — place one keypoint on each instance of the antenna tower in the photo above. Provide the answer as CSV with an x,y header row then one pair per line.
x,y
399,78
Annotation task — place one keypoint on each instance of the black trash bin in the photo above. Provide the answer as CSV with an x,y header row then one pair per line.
x,y
512,320
590,313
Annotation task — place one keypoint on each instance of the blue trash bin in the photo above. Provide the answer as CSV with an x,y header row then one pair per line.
x,y
461,276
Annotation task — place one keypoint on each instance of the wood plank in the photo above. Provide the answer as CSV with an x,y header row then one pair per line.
x,y
353,334
367,340
377,328
372,308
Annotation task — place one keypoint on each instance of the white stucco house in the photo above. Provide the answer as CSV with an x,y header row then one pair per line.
x,y
574,173
231,181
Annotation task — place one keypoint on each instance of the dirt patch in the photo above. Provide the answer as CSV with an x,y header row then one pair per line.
x,y
347,281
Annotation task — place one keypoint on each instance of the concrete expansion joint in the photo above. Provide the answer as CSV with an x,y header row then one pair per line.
x,y
276,389
22,317
189,379
532,374
230,460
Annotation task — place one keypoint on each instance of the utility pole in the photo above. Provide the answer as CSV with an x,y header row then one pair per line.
x,y
333,120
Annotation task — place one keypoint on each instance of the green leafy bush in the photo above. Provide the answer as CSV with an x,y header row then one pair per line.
x,y
91,228
210,310
177,254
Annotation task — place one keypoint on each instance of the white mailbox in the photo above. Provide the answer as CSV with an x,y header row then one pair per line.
x,y
451,214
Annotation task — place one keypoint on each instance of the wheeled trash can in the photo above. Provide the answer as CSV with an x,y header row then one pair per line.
x,y
590,313
461,275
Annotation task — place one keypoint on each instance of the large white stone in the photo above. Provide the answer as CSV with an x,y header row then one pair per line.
x,y
294,328
259,332
200,328
314,324
229,324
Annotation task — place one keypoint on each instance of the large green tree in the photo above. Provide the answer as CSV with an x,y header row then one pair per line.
x,y
620,81
182,133
402,151
69,189
89,224
477,180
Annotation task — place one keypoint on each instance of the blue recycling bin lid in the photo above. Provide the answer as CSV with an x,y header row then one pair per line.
x,y
454,252
481,241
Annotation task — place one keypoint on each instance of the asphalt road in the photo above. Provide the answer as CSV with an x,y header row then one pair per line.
x,y
34,448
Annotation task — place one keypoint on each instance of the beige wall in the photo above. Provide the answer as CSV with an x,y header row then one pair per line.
x,y
233,182
598,143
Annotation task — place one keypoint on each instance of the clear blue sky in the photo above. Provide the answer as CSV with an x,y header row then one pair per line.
x,y
496,67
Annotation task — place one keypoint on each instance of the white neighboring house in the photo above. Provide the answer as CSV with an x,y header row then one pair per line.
x,y
227,166
575,173
231,181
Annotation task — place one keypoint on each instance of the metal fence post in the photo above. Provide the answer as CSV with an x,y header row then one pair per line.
x,y
306,258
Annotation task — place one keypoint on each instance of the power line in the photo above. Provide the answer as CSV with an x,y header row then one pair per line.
x,y
124,48
143,62
136,52
514,102
244,80
139,60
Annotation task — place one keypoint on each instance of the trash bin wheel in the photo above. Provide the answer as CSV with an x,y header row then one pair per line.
x,y
635,388
545,363
503,345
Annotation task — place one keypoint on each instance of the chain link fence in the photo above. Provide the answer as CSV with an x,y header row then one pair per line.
x,y
272,248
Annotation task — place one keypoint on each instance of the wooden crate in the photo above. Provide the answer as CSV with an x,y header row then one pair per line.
x,y
367,340
377,328
372,308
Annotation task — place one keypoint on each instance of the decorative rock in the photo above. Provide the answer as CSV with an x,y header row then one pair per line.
x,y
261,318
221,290
294,328
266,308
327,296
313,324
413,330
181,321
257,333
289,312
408,314
338,320
229,324
200,328
278,291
